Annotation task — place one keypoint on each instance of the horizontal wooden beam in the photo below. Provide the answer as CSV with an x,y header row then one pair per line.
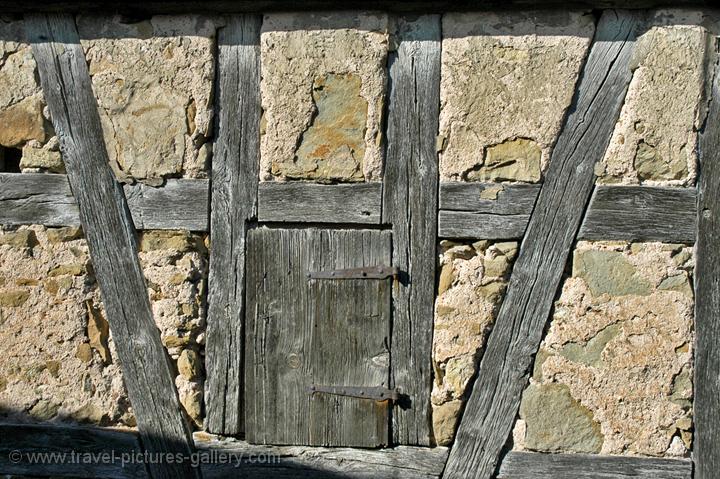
x,y
467,210
532,465
58,451
257,461
257,6
316,203
632,213
221,457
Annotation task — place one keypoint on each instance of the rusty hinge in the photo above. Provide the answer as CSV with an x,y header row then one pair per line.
x,y
371,272
378,393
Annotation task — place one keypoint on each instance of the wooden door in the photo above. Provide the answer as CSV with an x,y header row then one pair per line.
x,y
304,331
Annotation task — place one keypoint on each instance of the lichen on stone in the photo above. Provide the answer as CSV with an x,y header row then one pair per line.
x,y
153,80
507,80
655,139
323,92
620,342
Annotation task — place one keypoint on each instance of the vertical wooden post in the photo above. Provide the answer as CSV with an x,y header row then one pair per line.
x,y
706,452
235,165
111,239
410,201
568,184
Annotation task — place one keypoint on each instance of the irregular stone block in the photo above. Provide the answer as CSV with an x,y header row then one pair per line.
x,y
323,92
655,139
507,80
556,422
153,80
625,354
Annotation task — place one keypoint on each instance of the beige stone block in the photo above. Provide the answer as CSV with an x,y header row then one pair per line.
x,y
153,80
323,93
507,80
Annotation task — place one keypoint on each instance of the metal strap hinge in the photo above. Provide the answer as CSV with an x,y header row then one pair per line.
x,y
378,393
371,272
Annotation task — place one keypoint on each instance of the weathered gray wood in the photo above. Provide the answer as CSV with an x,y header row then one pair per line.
x,y
110,234
410,199
234,201
37,199
706,406
238,6
633,213
178,204
303,331
639,213
513,342
316,203
48,451
220,457
471,225
530,465
291,462
494,198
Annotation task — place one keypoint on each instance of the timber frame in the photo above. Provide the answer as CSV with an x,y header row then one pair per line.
x,y
550,216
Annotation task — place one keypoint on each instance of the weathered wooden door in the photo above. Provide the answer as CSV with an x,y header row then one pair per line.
x,y
317,341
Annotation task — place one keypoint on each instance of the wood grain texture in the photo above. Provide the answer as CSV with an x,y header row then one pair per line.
x,y
180,204
531,465
259,6
632,213
641,213
410,199
514,340
235,166
291,462
110,234
316,203
44,199
706,405
303,331
61,441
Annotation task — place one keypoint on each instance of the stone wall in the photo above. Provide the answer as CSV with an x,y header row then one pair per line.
x,y
59,361
614,371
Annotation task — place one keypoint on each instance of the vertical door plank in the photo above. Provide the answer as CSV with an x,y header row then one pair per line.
x,y
234,181
410,201
111,239
305,331
506,363
706,452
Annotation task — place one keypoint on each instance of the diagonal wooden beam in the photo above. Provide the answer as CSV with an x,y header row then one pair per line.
x,y
234,187
515,338
706,407
110,234
410,198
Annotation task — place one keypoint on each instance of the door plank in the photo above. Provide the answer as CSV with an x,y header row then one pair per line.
x,y
707,295
410,201
514,340
235,166
110,234
305,331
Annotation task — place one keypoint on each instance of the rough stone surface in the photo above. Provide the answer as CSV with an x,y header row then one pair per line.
x,y
621,351
555,422
323,93
21,99
59,361
507,80
471,283
655,139
153,80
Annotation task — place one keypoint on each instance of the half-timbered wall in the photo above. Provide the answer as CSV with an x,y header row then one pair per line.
x,y
547,157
